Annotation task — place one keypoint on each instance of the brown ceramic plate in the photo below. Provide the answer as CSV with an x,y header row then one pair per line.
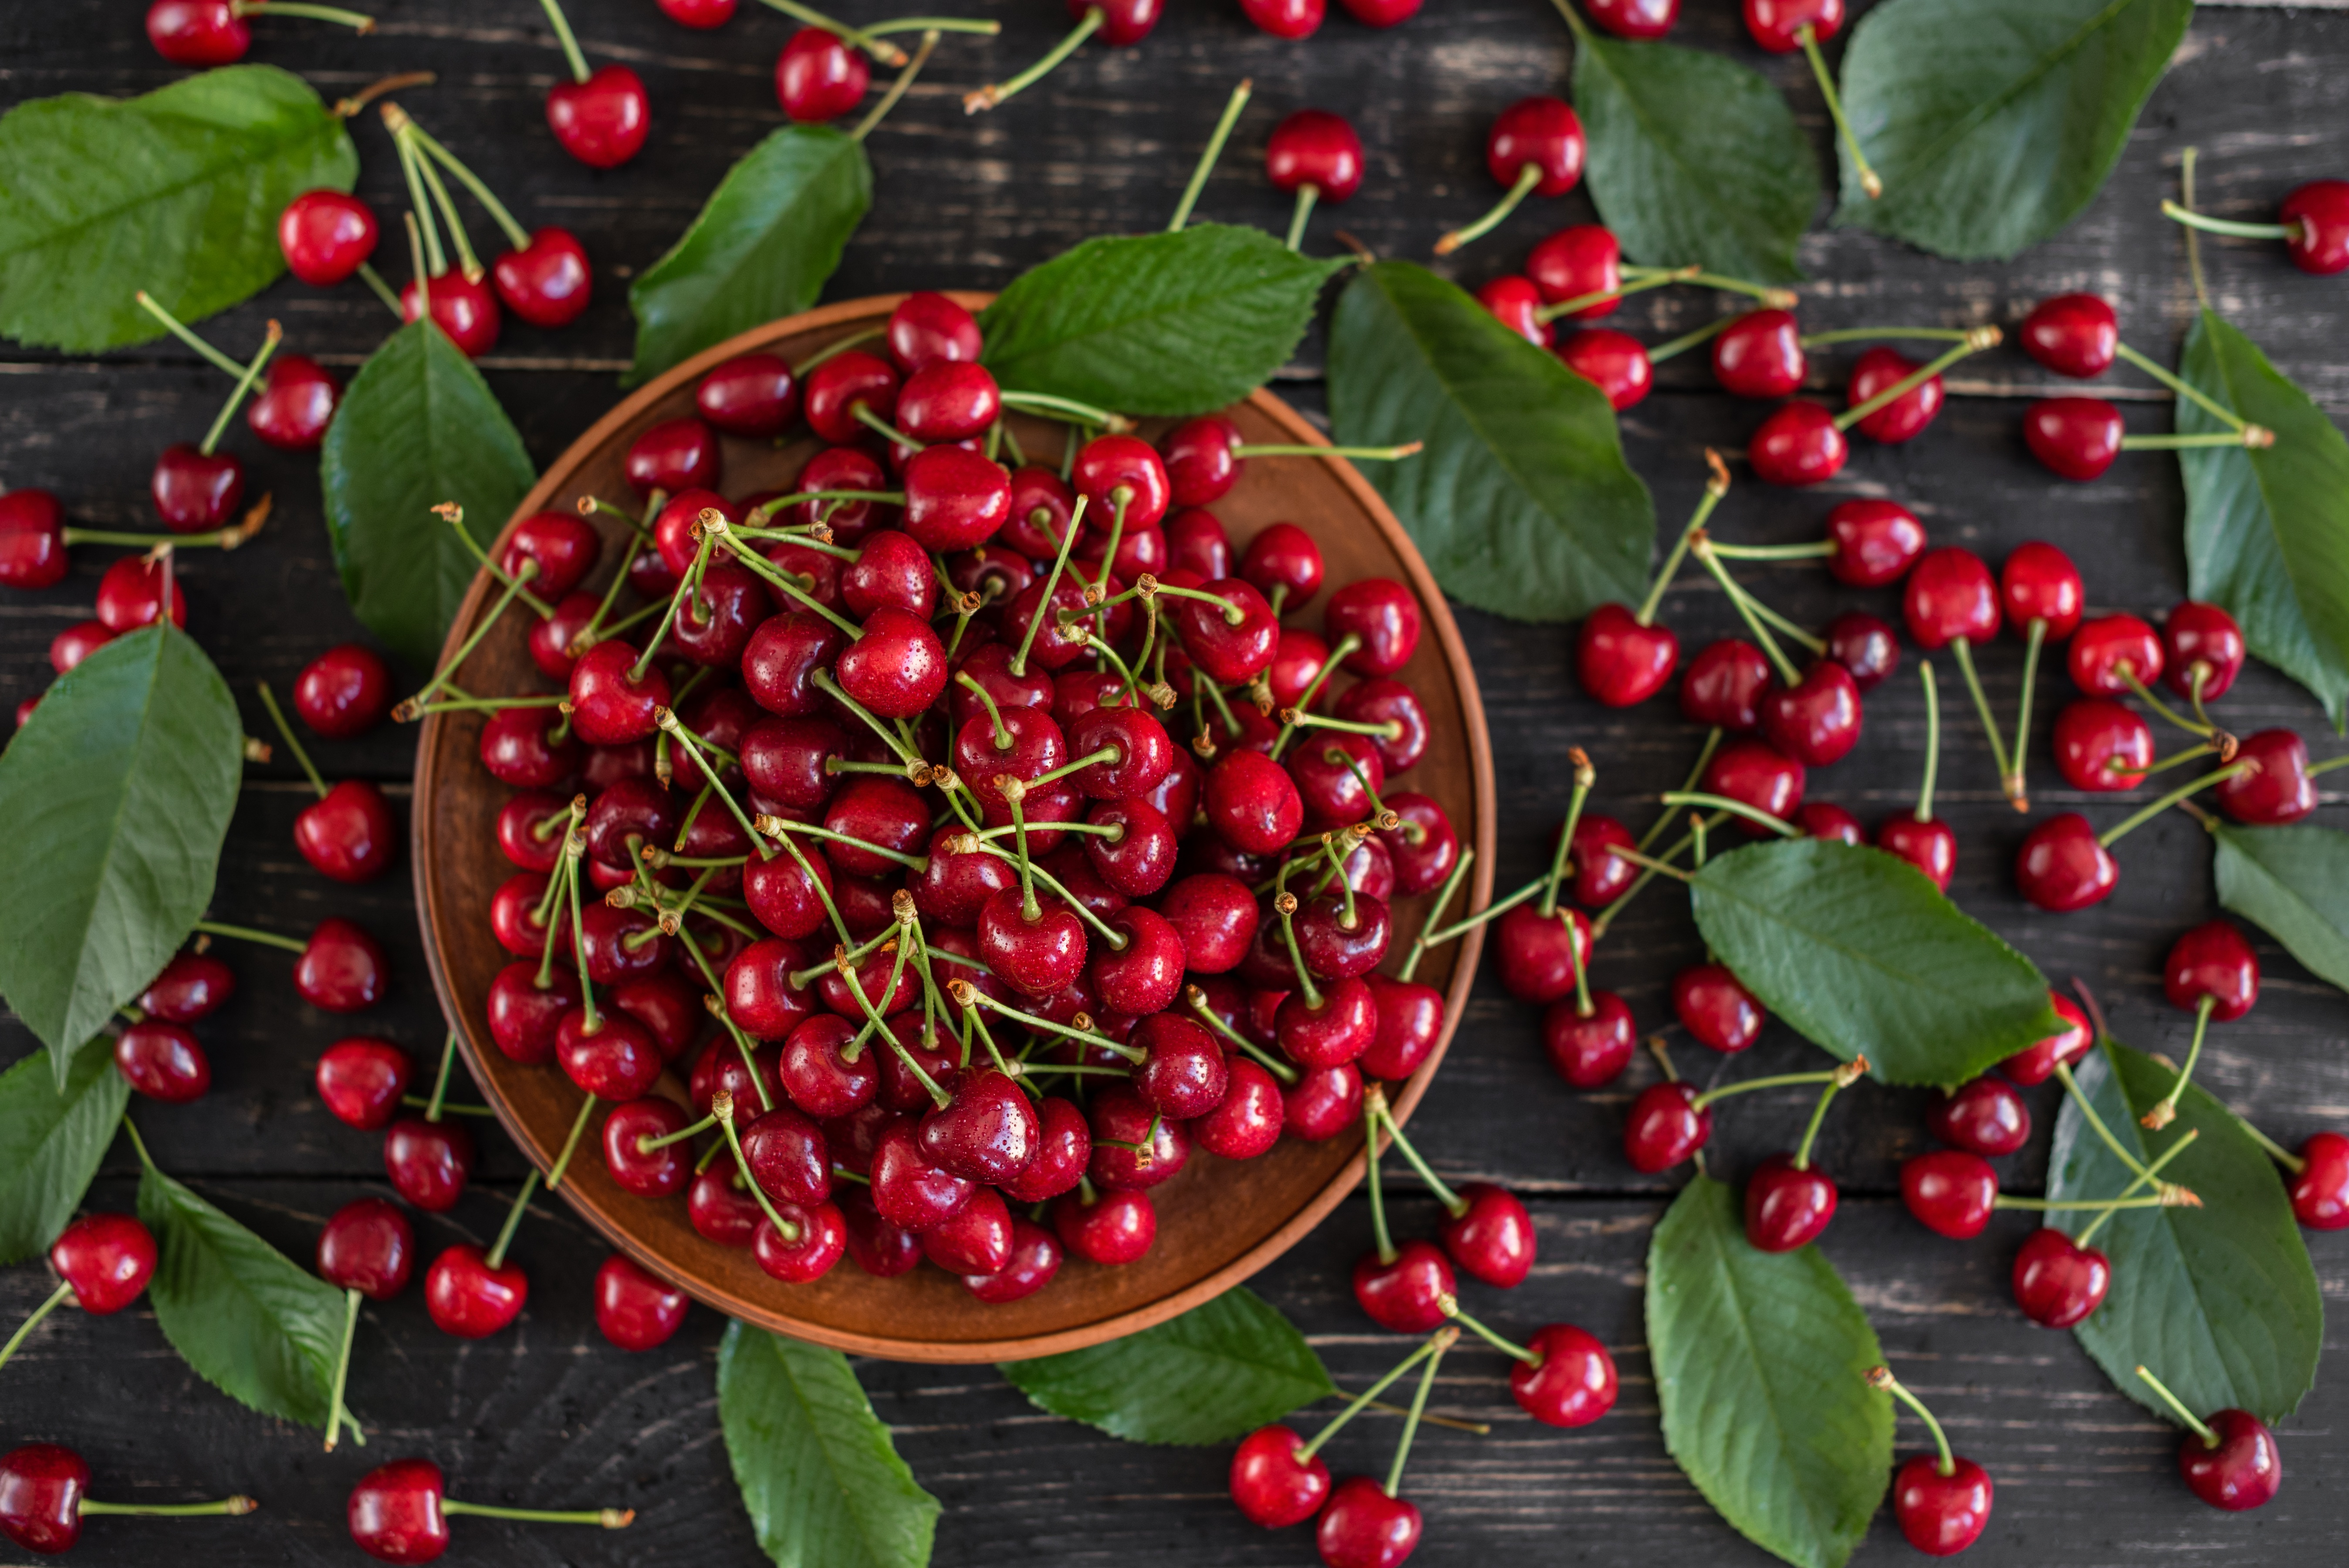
x,y
1219,1221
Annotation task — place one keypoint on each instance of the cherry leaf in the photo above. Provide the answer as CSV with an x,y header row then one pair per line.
x,y
51,1140
1993,123
2220,1302
1521,502
821,1481
763,246
1761,1363
2267,530
1211,1376
2292,883
125,777
1857,950
176,191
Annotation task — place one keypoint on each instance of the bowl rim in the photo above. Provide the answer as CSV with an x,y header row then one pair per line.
x,y
432,917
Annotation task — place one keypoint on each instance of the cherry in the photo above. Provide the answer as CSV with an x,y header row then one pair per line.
x,y
655,1172
2213,962
1035,1259
1823,820
1874,542
1514,301
634,1310
1715,1008
72,645
1905,418
1571,1380
926,327
1984,1117
1405,1293
2202,643
976,1240
327,235
2037,1063
1949,594
1114,472
1134,1145
1382,616
465,309
524,1016
699,15
2061,867
397,1513
1778,24
602,116
2237,1467
1285,19
1816,722
344,692
719,1205
1272,1483
1589,1052
1931,846
1252,803
1635,18
1381,13
1665,1127
2078,437
32,539
198,32
1797,445
1312,152
296,402
1865,645
1614,362
1723,689
753,395
1323,1103
471,1297
546,282
131,595
1540,953
987,1132
2320,1189
360,1080
1787,1205
367,1245
429,1162
196,491
1114,1228
2109,647
2058,1282
2074,334
1247,1122
1941,1513
2102,745
2274,788
1620,660
192,986
1490,1236
105,1260
2315,217
819,76
1753,773
1760,355
1950,1192
2038,583
162,1061
42,1501
1600,876
1361,1526
910,1190
1535,147
348,834
954,499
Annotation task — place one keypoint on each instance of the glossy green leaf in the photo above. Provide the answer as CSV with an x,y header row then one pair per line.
x,y
1522,502
249,1322
2267,531
2220,1302
763,246
1211,1376
1761,1363
417,427
1993,123
2292,883
124,777
1856,948
51,1140
1693,158
821,1480
176,191
1156,324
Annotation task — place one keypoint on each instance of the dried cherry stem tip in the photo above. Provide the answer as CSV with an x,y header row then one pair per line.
x,y
1882,1377
1716,485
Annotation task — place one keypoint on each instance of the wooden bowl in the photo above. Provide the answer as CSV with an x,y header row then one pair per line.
x,y
1218,1221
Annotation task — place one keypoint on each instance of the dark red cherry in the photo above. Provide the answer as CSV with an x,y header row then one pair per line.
x,y
1540,132
2241,1471
1424,847
1589,1052
2077,437
1665,1127
1941,1515
1787,1207
2037,581
896,667
1493,1238
41,1484
675,456
1134,1145
293,404
72,645
1285,19
753,395
1406,1295
1323,1103
2074,334
2320,1189
1572,1381
1539,954
1038,957
1723,687
1905,418
1823,820
565,546
2101,745
464,308
523,1017
467,1297
1751,772
326,235
2212,961
344,692
1619,662
1874,541
819,76
1284,560
1579,260
1271,1485
1382,616
2275,787
1034,1259
1363,1526
192,986
2105,647
1778,24
657,1173
1251,803
1716,1008
634,1310
1381,13
1797,445
1949,594
719,1204
1512,301
32,539
196,491
1200,468
1985,1117
547,281
349,834
360,1080
603,121
988,1132
1950,1191
1124,22
1816,722
1760,355
429,1162
197,33
1865,645
2061,867
2317,216
1115,470
1634,19
342,969
106,1260
1247,1122
2205,638
910,1190
2058,1282
1115,1228
954,499
1614,362
2037,1063
367,1245
1195,542
927,328
1932,847
131,595
610,705
1600,876
1312,145
975,1240
697,14
1336,1032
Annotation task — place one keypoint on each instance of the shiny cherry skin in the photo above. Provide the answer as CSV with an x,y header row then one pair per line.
x,y
2242,1471
699,15
1381,13
1600,875
1905,418
1313,147
394,1514
1876,541
1492,1238
2204,638
896,667
2058,1282
1322,1103
1111,469
1760,355
108,1259
1362,1527
987,1132
1252,803
1932,847
2037,1063
2101,745
348,835
162,1061
1248,1120
1589,1052
1124,21
1787,1207
951,400
295,403
612,705
1286,18
1571,1382
1778,24
2275,787
1115,1229
1539,954
1797,445
546,282
429,1162
674,454
1271,1485
634,1310
344,692
754,395
1816,722
32,539
1405,1296
658,1173
198,32
1614,362
369,1246
2212,961
926,327
1036,1258
819,76
41,1488
2077,437
2074,334
1941,1515
1824,820
196,491
1617,661
465,309
1381,615
342,969
1665,1127
2105,649
469,1299
68,649
2318,216
2061,867
2037,581
2320,1189
1758,775
1641,19
192,986
1538,133
1950,1192
360,1080
1200,470
1949,594
1581,259
601,121
1984,1117
817,1236
131,595
1865,645
326,236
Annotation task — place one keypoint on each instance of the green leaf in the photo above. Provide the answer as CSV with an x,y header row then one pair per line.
x,y
253,1324
2293,884
51,1140
822,1483
1522,502
2267,531
762,247
1994,122
1761,1363
1858,951
1156,324
176,191
2220,1302
418,427
125,778
1693,158
1213,1374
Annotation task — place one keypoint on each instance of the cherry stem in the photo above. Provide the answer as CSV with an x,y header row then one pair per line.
x,y
62,1294
447,203
423,238
1715,487
2258,438
1776,298
1452,883
227,538
497,1254
1379,1234
609,1518
1656,280
1672,347
433,1107
571,1144
2146,1176
177,329
1066,410
2169,1197
2276,1151
1924,812
1450,1307
2016,790
335,13
887,54
1382,1115
1307,195
1018,665
2144,695
1816,549
1410,1422
1083,1037
2210,1439
902,85
1528,176
1843,1074
823,892
2164,1111
383,291
986,98
1868,181
674,727
269,342
232,1507
335,1414
1197,1001
516,587
1585,775
1877,333
821,680
983,27
285,732
1753,814
1490,911
1963,650
1214,150
2088,1113
2176,760
1977,338
1882,1377
1346,644
881,427
1836,1085
515,232
579,72
1480,1429
2229,226
2113,835
248,934
1284,904
721,1106
1300,450
798,534
2179,384
1435,1344
592,1020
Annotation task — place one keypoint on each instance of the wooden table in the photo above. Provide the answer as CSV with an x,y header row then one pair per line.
x,y
548,1414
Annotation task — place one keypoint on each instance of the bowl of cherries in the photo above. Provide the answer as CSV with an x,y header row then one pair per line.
x,y
933,870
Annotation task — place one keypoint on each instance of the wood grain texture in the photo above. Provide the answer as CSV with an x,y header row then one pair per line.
x,y
548,1414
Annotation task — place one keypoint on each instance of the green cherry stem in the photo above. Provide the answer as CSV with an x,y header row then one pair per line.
x,y
515,232
269,342
232,1507
1528,176
2146,1176
1868,181
2258,438
1977,339
1848,1072
1196,999
62,1293
608,1518
988,97
1378,1231
1585,775
2164,1111
1674,346
1715,485
1962,649
1550,313
721,1106
1816,549
903,85
1450,1307
1443,1339
2017,759
1444,896
1835,1084
1051,580
186,334
1346,645
2276,1151
2183,387
1776,298
2087,1110
1924,812
1696,776
251,934
1214,150
571,1144
1382,1116
497,1255
2201,1429
2113,835
437,1103
1882,1377
2170,1196
1878,334
887,54
2232,228
335,13
285,732
1068,410
335,1414
382,290
1410,1422
571,52
1759,817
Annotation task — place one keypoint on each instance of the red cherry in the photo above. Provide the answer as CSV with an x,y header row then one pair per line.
x,y
131,595
106,1260
954,499
361,1081
1753,773
2074,334
1311,146
1285,19
2061,867
470,1299
1512,301
1381,615
950,400
1778,24
1941,1515
1362,1527
1634,19
676,455
1323,1103
1665,1127
2038,583
69,647
1283,560
1985,1117
658,1173
1589,1053
2078,437
1905,418
1539,954
1406,1294
1787,1206
1816,722
1035,1260
295,403
1124,22
348,835
1122,470
162,1061
2212,961
697,14
2102,745
429,1162
1200,469
2274,788
1823,820
1381,13
2320,1189
1621,662
546,282
926,327
753,395
1571,1382
1760,355
1932,847
1583,259
1492,1238
1271,1485
1115,1228
1541,133
819,76
1600,876
610,705
344,692
395,1513
2037,1063
603,121
1949,594
367,1245
327,235
1614,362
1950,1192
32,539
1876,541
41,1488
196,491
198,32
1716,1008
2108,645
2241,1471
634,1310
2318,216
976,1240
192,986
1798,445
464,308
2058,1282
2204,638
